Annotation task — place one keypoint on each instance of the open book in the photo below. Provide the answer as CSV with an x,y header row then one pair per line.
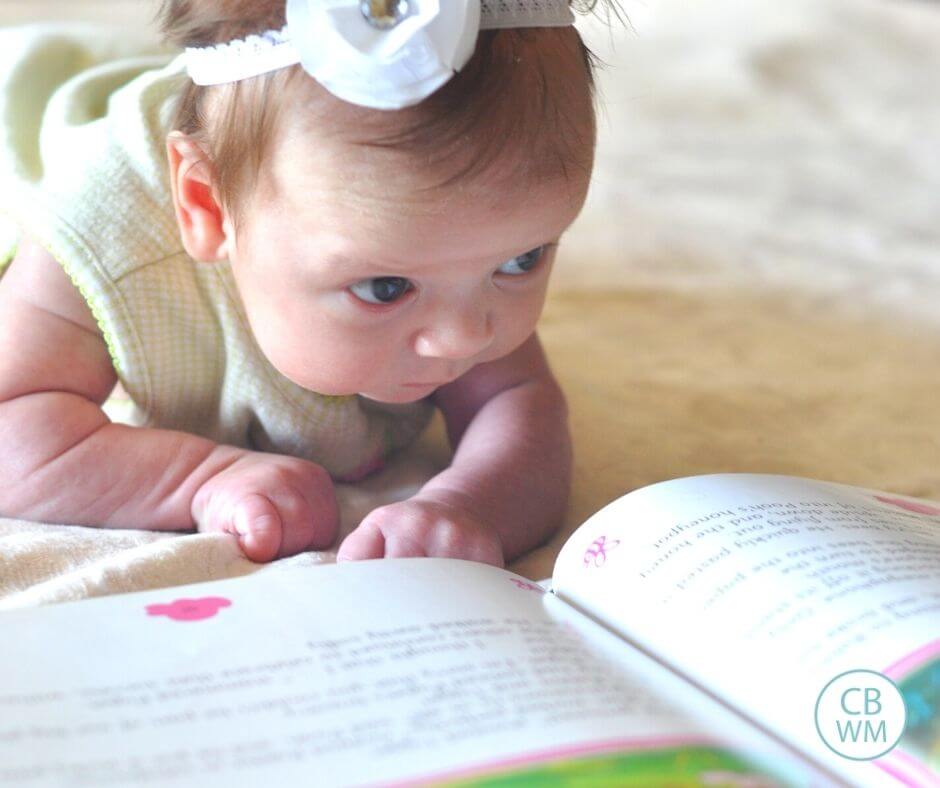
x,y
688,633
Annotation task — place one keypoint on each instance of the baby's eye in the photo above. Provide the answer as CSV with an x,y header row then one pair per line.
x,y
522,263
381,290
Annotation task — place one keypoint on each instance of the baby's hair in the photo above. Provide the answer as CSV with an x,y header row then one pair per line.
x,y
501,100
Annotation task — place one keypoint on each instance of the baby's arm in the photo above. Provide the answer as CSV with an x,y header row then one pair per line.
x,y
63,461
507,487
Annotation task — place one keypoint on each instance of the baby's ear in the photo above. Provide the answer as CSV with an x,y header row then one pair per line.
x,y
199,211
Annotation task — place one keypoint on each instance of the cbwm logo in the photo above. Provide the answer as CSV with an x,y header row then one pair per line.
x,y
860,714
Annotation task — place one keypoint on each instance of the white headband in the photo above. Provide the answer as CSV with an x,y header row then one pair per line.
x,y
385,54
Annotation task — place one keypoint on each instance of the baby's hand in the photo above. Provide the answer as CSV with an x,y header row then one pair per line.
x,y
423,526
276,505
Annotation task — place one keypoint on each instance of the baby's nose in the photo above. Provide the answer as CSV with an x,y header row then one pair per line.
x,y
456,334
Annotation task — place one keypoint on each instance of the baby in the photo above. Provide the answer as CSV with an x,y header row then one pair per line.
x,y
358,223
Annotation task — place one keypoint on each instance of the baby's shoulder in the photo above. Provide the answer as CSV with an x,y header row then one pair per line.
x,y
36,278
49,337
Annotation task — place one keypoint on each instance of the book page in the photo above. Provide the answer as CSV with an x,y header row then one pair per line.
x,y
767,587
372,672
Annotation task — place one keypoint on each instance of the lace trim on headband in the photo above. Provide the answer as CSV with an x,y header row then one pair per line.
x,y
272,50
241,58
496,14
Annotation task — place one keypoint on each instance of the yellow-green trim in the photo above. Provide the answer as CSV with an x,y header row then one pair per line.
x,y
7,257
96,312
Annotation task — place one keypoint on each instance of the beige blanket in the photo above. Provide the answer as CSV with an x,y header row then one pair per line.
x,y
753,285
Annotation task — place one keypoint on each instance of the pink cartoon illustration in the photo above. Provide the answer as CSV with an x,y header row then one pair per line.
x,y
911,506
596,554
190,609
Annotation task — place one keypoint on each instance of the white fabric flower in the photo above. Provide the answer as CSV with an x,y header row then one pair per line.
x,y
383,68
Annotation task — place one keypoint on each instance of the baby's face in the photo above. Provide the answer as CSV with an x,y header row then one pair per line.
x,y
355,285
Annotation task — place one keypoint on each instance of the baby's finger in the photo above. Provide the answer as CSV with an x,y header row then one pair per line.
x,y
399,545
473,546
301,527
258,526
366,542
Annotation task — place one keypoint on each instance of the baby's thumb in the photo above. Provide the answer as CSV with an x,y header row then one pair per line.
x,y
365,542
258,525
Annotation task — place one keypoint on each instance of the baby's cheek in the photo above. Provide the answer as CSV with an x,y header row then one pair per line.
x,y
329,369
511,339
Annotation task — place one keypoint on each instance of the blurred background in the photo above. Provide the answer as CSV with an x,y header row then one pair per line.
x,y
16,11
754,282
744,141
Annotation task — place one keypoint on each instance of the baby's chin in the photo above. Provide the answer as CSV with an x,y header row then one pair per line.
x,y
399,396
390,394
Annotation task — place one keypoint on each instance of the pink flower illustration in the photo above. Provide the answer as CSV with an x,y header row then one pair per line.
x,y
911,506
190,609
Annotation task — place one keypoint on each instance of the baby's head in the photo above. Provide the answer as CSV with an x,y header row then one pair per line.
x,y
384,253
